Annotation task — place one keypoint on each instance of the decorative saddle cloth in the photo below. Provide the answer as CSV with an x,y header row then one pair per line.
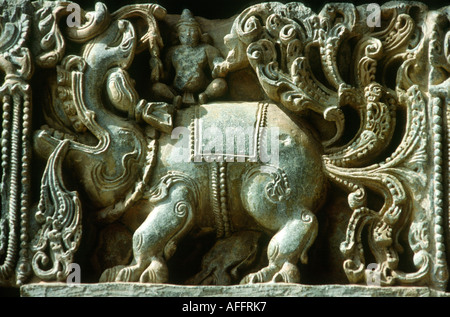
x,y
236,139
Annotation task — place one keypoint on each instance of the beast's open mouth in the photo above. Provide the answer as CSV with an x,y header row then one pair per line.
x,y
49,132
46,139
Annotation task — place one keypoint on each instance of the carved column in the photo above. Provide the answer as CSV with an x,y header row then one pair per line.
x,y
15,91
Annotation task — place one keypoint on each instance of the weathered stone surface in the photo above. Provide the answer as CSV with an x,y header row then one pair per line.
x,y
261,290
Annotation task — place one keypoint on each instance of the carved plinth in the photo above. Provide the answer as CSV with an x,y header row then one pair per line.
x,y
261,290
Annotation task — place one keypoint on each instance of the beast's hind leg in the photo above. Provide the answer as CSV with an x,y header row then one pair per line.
x,y
296,229
170,219
287,246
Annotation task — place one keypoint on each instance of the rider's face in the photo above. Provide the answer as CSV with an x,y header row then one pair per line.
x,y
189,35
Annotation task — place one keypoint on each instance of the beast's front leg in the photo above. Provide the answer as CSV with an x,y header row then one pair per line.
x,y
153,240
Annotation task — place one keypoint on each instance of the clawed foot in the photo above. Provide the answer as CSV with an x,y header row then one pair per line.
x,y
109,275
156,272
288,273
128,274
121,273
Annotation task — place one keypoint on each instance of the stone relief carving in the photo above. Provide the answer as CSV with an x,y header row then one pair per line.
x,y
345,147
191,61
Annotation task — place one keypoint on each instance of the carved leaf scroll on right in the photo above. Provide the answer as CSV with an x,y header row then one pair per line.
x,y
354,106
333,60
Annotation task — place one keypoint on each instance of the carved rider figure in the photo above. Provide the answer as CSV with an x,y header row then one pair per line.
x,y
192,62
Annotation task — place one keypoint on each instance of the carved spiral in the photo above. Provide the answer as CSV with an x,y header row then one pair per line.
x,y
288,33
374,48
248,28
273,24
357,199
182,208
306,217
255,53
95,23
263,53
73,63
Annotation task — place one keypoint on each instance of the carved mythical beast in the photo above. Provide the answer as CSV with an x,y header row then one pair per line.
x,y
279,198
122,167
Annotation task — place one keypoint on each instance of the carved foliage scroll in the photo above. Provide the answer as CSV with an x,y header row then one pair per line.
x,y
31,35
112,151
333,60
59,216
